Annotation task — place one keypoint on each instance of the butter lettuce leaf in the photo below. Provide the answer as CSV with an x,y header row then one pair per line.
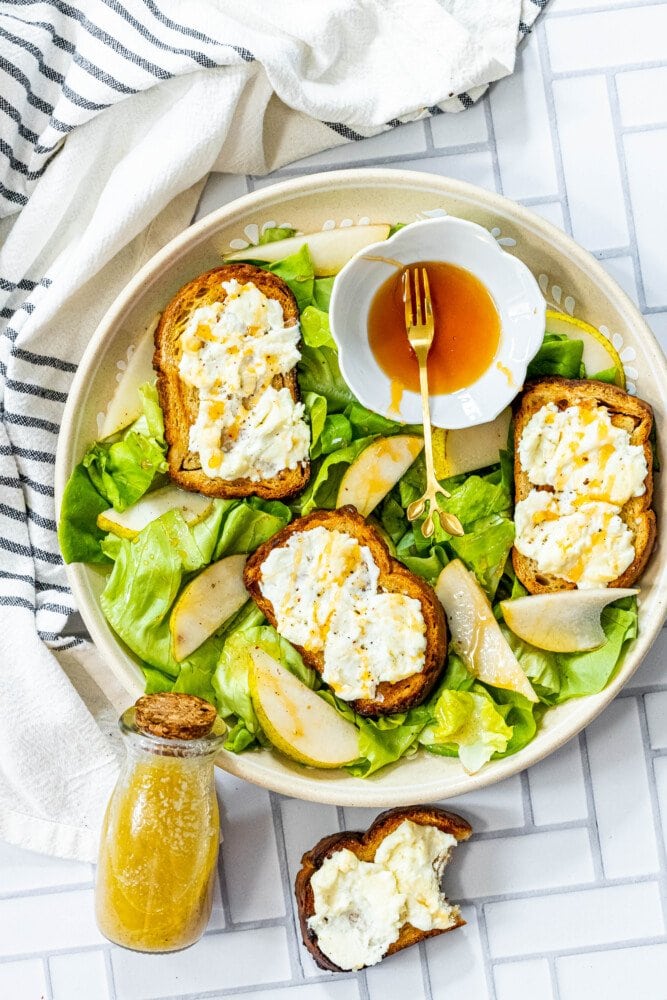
x,y
78,535
470,723
326,476
315,330
122,470
231,684
558,355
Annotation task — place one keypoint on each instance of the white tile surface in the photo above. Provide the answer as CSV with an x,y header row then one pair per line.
x,y
400,977
461,129
476,168
523,142
646,153
573,920
608,38
23,870
562,770
48,922
585,127
656,716
25,980
642,96
616,975
506,865
528,979
250,853
599,128
498,807
455,960
217,961
624,822
87,969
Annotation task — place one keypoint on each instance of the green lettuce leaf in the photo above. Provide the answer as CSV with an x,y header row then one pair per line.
x,y
589,673
231,684
123,470
142,587
248,524
316,413
383,740
274,234
315,329
78,534
297,273
558,355
470,722
610,375
336,434
319,372
322,292
322,490
485,548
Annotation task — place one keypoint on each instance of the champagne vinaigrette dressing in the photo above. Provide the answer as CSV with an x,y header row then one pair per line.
x,y
467,330
159,844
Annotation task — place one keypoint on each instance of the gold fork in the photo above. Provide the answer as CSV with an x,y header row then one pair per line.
x,y
420,328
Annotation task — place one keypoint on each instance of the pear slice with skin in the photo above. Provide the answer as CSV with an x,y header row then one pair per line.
x,y
128,523
470,448
377,470
297,721
206,603
329,249
599,352
125,404
566,621
475,633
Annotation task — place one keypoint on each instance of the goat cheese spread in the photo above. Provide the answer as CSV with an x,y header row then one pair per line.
x,y
576,532
323,586
360,906
231,352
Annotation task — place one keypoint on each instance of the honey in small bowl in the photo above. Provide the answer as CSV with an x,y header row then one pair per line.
x,y
467,330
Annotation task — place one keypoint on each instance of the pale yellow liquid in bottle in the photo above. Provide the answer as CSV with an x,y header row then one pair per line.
x,y
158,854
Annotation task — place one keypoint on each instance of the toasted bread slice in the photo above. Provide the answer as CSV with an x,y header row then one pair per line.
x,y
394,577
364,845
180,402
626,411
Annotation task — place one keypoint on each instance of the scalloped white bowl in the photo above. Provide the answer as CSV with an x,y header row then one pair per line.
x,y
514,290
567,275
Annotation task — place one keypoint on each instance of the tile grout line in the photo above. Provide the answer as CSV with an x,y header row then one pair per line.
x,y
587,949
47,978
655,805
548,79
293,944
553,975
486,951
491,140
593,831
614,107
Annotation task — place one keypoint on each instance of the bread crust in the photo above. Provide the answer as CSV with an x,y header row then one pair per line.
x,y
394,577
626,411
364,845
180,402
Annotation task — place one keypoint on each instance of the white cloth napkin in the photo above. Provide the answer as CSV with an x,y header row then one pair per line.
x,y
112,114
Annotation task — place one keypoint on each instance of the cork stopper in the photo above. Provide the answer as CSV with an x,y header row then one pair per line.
x,y
174,716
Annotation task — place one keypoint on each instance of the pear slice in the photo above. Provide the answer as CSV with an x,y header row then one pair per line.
x,y
296,720
599,352
566,621
470,448
125,405
193,506
376,470
206,603
475,633
330,249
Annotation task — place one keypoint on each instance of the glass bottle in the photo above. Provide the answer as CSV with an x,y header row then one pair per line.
x,y
160,835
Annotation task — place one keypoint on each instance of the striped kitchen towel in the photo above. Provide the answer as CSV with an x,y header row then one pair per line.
x,y
112,114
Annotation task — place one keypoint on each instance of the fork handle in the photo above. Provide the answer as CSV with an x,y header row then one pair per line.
x,y
426,418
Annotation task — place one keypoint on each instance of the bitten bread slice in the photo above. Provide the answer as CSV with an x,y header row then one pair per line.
x,y
365,845
180,401
394,577
628,412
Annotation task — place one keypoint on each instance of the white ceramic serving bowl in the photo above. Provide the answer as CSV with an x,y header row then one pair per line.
x,y
514,290
570,279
